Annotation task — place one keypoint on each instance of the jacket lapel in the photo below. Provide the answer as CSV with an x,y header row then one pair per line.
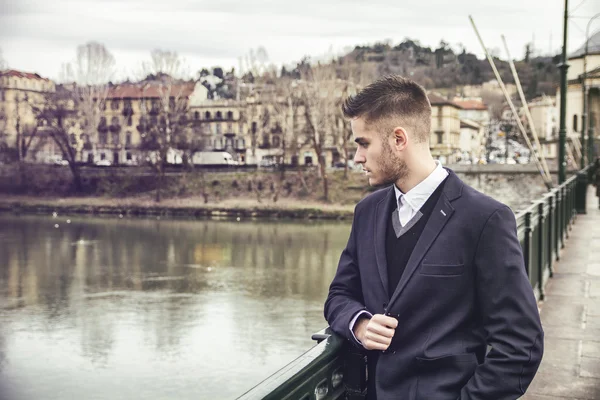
x,y
381,222
441,214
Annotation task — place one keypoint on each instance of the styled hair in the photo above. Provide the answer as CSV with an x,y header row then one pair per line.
x,y
391,101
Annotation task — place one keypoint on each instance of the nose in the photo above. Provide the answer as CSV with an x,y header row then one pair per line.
x,y
359,157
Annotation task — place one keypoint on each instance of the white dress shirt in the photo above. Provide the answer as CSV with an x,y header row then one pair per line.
x,y
412,201
409,204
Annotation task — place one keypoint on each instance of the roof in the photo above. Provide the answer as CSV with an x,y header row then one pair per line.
x,y
471,105
437,100
593,47
20,74
148,90
467,123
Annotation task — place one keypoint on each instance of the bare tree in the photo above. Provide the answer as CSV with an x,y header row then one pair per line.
x,y
3,63
92,70
494,101
3,134
320,89
56,117
166,130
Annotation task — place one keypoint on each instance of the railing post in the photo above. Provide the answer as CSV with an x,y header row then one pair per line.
x,y
563,216
573,201
559,220
527,242
582,184
550,233
569,209
541,248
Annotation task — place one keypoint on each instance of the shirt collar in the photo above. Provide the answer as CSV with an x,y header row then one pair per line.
x,y
417,196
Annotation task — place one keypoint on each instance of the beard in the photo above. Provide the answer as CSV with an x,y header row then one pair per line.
x,y
391,167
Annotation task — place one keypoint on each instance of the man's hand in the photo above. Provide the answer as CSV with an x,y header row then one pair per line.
x,y
375,333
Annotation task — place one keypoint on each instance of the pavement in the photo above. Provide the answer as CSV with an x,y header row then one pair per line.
x,y
570,314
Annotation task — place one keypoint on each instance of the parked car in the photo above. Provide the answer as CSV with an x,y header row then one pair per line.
x,y
61,162
103,163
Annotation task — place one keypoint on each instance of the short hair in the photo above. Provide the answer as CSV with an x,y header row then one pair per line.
x,y
392,100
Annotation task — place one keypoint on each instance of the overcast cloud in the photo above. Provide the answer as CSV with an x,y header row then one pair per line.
x,y
40,35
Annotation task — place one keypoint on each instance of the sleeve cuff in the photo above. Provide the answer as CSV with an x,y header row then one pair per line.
x,y
351,325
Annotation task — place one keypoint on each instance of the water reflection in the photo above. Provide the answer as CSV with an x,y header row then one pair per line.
x,y
156,309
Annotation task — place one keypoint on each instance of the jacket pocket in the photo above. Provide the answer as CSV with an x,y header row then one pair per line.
x,y
441,270
444,377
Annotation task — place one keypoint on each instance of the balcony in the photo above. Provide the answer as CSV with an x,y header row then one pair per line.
x,y
102,127
127,111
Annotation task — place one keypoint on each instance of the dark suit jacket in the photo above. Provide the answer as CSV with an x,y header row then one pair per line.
x,y
464,288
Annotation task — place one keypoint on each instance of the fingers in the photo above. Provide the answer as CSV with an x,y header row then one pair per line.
x,y
379,332
376,342
384,320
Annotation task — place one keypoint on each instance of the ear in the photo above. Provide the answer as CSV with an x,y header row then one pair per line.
x,y
400,138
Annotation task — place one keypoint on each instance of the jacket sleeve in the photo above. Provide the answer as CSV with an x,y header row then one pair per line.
x,y
508,311
345,297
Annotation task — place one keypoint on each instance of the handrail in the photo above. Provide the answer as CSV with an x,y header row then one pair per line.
x,y
333,369
315,375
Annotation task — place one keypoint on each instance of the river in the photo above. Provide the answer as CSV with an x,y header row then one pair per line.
x,y
98,308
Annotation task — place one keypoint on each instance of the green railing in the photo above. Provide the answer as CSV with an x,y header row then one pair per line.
x,y
319,374
334,369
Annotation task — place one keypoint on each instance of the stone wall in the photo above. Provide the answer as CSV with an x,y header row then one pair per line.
x,y
514,185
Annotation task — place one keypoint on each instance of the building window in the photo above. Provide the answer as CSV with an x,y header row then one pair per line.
x,y
129,121
102,137
128,138
207,115
196,115
114,121
219,115
230,128
116,138
114,105
229,114
128,156
440,137
254,127
73,139
276,141
102,156
575,123
218,129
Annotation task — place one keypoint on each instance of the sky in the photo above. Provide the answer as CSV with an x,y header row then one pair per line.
x,y
40,35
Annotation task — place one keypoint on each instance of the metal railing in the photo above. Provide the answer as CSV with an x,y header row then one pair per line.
x,y
334,369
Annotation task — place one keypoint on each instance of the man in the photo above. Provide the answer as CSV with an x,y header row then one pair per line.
x,y
433,272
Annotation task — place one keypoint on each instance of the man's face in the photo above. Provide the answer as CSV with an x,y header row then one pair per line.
x,y
376,155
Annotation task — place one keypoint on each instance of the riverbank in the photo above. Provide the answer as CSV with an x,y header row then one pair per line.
x,y
190,207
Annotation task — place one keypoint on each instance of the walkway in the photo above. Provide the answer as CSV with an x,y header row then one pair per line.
x,y
571,317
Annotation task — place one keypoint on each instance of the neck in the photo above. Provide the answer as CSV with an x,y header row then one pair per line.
x,y
419,167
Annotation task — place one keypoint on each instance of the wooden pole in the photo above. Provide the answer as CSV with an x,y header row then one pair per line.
x,y
547,178
526,108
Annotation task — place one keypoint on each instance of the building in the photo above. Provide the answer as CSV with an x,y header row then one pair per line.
x,y
578,61
473,109
472,141
545,119
221,126
20,94
130,110
445,129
